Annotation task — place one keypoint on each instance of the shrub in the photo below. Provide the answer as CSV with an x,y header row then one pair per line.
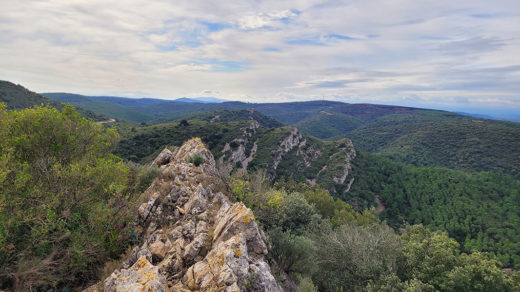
x,y
62,202
233,144
293,253
196,159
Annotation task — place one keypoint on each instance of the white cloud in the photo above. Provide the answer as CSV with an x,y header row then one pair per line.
x,y
264,19
437,51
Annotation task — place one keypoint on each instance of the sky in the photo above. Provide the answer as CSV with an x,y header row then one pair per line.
x,y
459,55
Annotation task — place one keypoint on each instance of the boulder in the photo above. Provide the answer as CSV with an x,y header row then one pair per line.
x,y
142,276
163,158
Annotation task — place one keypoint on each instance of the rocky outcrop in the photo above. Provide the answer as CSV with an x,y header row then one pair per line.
x,y
238,154
192,236
288,143
350,154
163,158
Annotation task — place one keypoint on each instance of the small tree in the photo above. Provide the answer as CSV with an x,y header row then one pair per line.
x,y
59,184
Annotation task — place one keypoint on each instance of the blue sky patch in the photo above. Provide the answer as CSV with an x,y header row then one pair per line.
x,y
310,41
223,66
270,49
216,26
482,15
340,37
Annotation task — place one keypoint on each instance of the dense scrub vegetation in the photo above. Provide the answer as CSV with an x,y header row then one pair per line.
x,y
65,200
479,210
226,115
144,143
325,244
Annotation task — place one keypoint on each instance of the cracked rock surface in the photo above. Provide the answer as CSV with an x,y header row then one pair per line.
x,y
193,238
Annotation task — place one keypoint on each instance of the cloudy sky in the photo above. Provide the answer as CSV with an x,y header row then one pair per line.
x,y
440,54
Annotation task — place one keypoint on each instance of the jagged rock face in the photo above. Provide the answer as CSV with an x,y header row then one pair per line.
x,y
350,154
193,237
239,154
294,139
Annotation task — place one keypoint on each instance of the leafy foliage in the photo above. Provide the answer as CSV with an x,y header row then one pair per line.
x,y
196,159
63,198
358,252
479,210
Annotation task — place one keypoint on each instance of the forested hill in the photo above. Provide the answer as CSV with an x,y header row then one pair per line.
x,y
480,210
18,97
336,216
410,135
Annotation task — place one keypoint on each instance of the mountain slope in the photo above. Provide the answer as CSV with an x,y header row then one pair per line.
x,y
471,207
236,115
459,143
114,107
410,135
18,97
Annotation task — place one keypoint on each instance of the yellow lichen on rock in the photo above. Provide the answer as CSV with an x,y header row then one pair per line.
x,y
192,236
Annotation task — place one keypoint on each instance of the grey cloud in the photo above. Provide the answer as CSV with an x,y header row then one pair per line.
x,y
471,46
152,48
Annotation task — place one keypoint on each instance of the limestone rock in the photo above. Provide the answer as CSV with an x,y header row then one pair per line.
x,y
191,236
159,249
163,158
142,276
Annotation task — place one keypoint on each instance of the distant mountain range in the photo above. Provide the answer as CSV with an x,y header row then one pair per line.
x,y
410,135
201,100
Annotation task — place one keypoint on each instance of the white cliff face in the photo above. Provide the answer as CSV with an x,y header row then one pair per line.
x,y
233,156
350,154
288,143
193,237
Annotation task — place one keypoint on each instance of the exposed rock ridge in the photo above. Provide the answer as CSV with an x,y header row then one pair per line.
x,y
308,154
288,143
350,153
238,155
193,238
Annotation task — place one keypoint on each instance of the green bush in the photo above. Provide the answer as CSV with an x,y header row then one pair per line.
x,y
62,198
293,253
196,159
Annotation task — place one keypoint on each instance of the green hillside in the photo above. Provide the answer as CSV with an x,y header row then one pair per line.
x,y
458,143
55,237
236,115
479,210
99,105
409,135
17,97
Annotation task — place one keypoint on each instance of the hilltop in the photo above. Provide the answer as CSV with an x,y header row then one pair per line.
x,y
193,236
